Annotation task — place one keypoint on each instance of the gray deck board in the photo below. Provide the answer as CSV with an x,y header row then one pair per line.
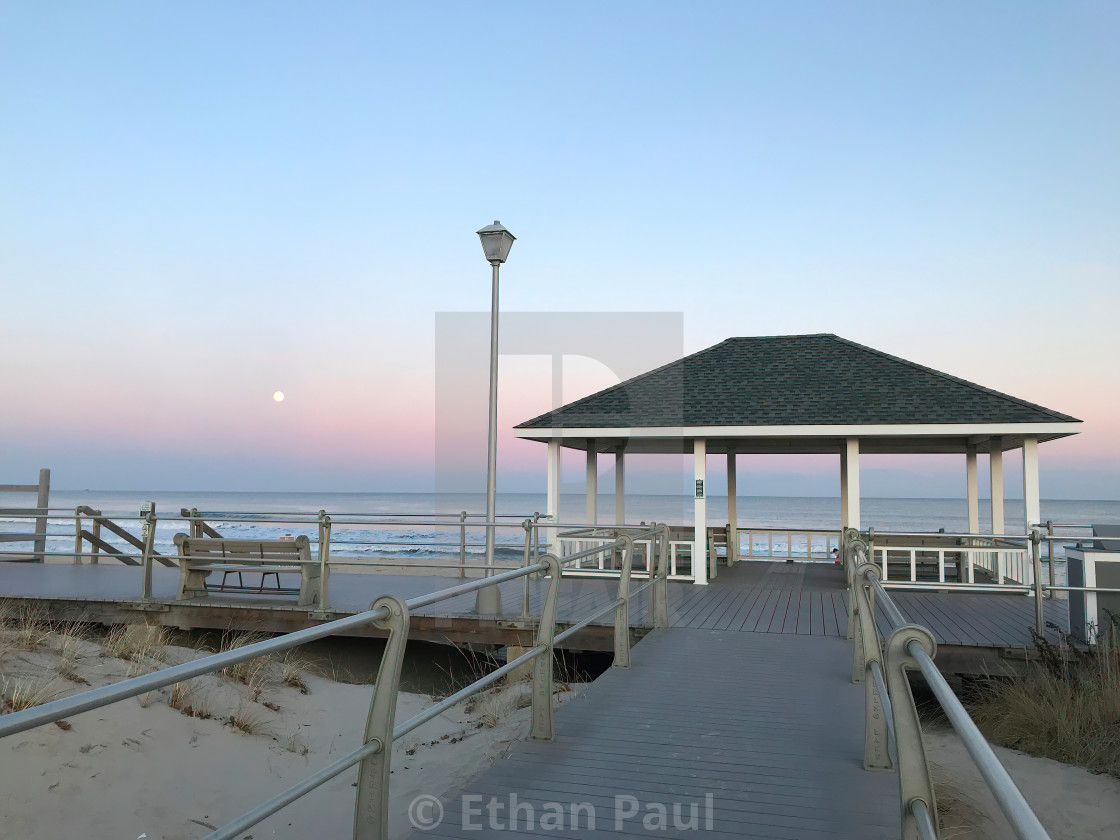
x,y
782,758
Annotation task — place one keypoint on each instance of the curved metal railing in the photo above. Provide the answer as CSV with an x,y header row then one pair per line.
x,y
391,614
893,734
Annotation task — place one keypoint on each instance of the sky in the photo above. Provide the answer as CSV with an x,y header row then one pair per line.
x,y
204,203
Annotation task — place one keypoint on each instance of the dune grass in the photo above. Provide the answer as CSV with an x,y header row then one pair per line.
x,y
19,694
251,672
1067,708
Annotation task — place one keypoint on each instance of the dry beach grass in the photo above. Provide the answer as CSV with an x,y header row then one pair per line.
x,y
1067,708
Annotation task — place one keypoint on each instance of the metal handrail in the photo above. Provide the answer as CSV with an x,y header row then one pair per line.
x,y
878,534
345,513
440,520
15,722
391,614
911,646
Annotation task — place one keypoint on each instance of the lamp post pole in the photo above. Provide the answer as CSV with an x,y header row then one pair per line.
x,y
492,441
496,242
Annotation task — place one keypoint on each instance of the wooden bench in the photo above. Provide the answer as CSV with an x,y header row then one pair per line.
x,y
200,557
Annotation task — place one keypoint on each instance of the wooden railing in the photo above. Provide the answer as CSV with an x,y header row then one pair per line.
x,y
98,544
42,492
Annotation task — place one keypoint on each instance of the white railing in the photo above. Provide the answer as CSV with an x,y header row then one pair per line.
x,y
787,544
754,543
604,565
953,560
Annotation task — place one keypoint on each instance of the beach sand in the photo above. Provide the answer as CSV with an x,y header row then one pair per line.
x,y
142,769
1070,802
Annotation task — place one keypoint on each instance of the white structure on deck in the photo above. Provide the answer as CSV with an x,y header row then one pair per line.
x,y
797,394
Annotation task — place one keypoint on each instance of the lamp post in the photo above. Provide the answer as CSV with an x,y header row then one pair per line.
x,y
496,242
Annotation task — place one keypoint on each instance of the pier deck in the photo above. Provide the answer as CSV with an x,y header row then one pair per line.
x,y
807,599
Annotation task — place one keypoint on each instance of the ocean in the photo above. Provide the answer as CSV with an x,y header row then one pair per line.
x,y
259,515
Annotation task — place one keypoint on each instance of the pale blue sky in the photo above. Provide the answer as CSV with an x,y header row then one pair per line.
x,y
201,203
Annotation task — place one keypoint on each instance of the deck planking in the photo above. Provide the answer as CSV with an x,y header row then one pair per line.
x,y
781,757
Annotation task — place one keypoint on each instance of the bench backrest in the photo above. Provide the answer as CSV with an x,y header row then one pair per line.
x,y
211,550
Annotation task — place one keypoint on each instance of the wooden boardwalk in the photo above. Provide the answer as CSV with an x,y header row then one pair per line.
x,y
807,599
739,721
757,734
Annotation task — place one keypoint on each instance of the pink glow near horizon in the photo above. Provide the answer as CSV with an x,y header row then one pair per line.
x,y
316,423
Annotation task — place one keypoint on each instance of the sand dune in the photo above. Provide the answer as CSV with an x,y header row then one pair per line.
x,y
142,769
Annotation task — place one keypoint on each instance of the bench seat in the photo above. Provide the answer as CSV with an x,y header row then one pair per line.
x,y
199,557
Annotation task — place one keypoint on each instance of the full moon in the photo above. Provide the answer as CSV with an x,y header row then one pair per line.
x,y
278,396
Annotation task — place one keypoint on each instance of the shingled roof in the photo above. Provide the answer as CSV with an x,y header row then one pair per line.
x,y
792,380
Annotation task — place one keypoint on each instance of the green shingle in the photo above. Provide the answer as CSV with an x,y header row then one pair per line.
x,y
794,380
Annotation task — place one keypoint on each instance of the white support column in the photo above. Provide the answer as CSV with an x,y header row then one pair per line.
x,y
1030,482
700,511
620,487
973,489
732,511
592,484
995,465
849,491
552,503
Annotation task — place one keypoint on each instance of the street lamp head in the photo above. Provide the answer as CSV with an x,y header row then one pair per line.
x,y
496,242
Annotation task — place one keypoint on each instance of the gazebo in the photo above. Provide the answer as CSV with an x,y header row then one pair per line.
x,y
797,394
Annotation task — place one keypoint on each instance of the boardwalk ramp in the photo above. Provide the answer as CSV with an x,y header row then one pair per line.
x,y
711,734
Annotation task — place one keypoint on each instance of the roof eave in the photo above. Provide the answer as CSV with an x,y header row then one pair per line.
x,y
929,437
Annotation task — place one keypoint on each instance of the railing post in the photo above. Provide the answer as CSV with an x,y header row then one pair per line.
x,y
659,592
913,769
96,550
622,611
371,811
462,544
849,538
1050,553
78,535
528,526
1036,558
42,502
876,753
196,524
324,561
866,635
867,651
536,534
148,535
542,726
